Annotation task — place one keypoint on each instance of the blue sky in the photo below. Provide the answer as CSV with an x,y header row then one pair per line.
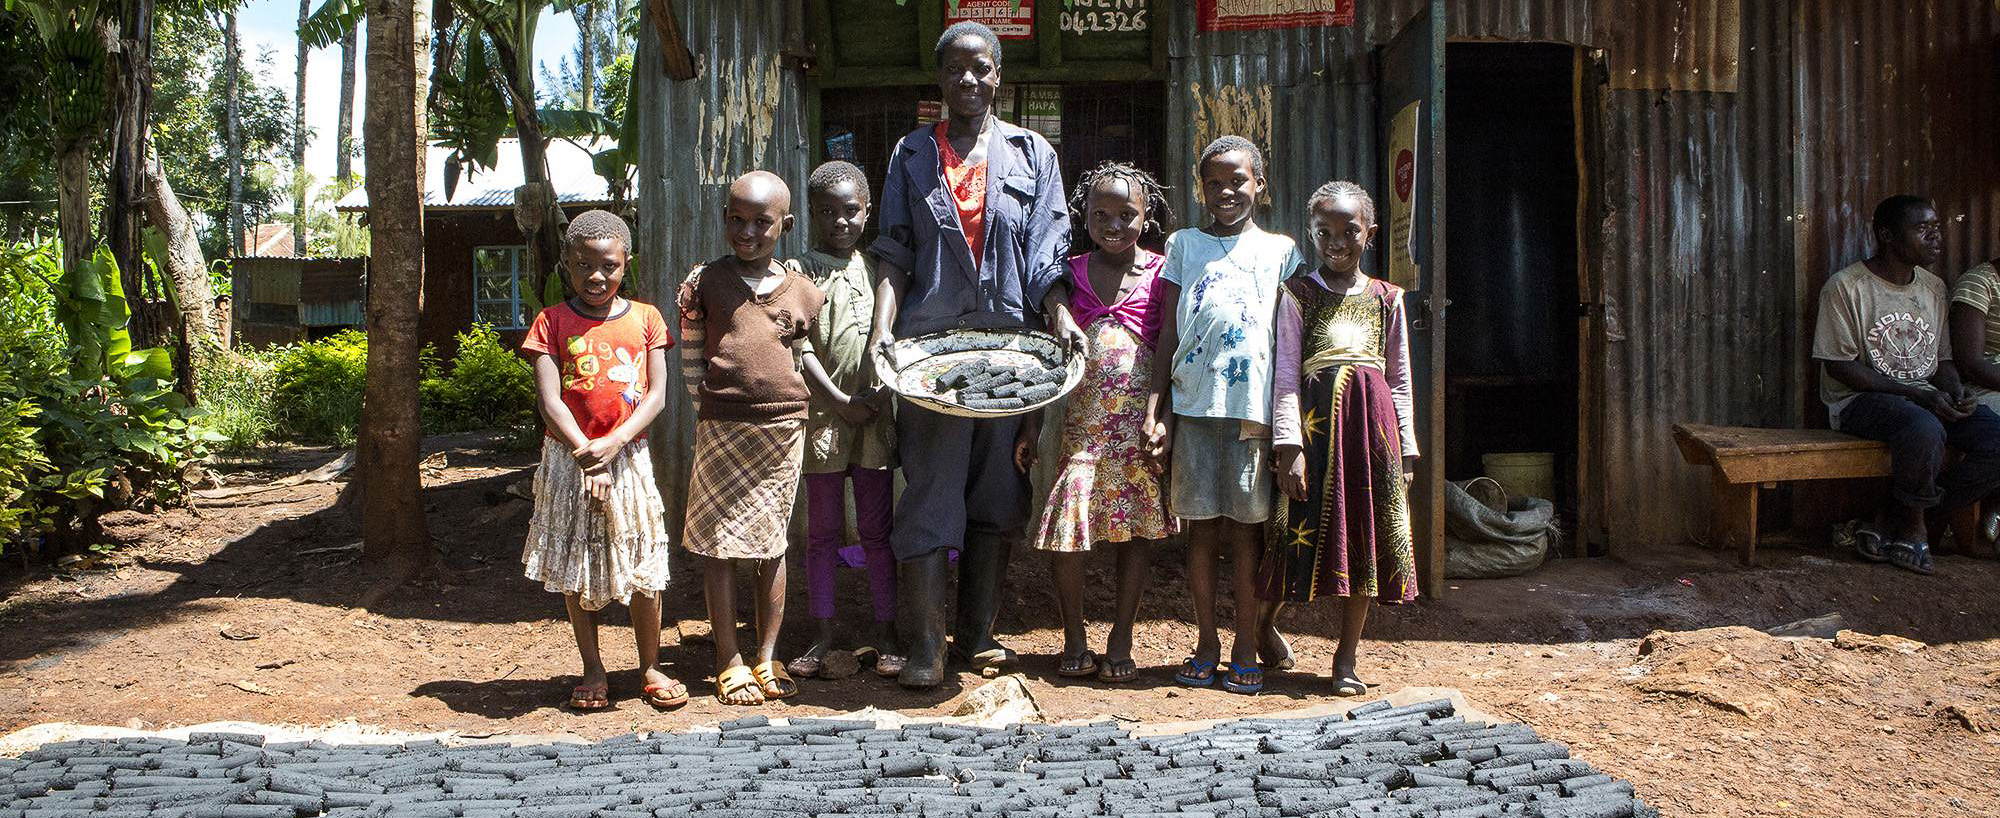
x,y
271,27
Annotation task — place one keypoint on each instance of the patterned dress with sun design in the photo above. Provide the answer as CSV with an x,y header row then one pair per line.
x,y
1351,535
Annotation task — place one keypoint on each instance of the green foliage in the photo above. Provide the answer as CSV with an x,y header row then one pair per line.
x,y
237,394
319,386
188,110
489,387
86,422
317,389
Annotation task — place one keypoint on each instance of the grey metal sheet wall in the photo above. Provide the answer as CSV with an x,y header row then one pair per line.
x,y
1897,98
1694,252
744,112
1699,309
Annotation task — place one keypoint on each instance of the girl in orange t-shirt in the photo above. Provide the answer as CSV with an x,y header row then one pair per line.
x,y
598,534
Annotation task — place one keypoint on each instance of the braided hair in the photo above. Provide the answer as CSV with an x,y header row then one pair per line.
x,y
592,225
1343,189
1158,212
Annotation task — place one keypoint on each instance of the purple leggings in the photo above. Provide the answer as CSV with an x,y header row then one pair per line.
x,y
826,523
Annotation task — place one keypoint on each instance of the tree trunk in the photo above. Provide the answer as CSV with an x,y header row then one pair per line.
x,y
300,189
343,163
394,533
73,201
536,211
130,39
586,69
232,136
187,269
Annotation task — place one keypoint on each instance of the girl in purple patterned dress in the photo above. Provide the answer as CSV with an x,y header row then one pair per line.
x,y
1107,490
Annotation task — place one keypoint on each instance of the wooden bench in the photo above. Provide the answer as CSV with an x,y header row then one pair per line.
x,y
1746,459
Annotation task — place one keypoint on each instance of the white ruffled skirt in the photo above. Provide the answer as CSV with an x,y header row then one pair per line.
x,y
603,552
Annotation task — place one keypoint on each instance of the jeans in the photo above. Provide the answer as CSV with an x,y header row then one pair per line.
x,y
1917,440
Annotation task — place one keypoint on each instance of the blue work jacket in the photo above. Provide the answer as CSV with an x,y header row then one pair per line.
x,y
1027,234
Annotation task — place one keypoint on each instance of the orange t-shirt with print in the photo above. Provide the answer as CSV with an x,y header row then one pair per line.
x,y
967,183
602,360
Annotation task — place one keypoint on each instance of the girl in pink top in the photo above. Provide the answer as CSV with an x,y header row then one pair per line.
x,y
1108,490
1342,429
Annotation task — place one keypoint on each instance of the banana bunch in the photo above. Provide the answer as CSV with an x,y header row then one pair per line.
x,y
75,60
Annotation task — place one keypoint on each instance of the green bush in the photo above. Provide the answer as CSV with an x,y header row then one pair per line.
x,y
77,440
317,389
237,392
489,387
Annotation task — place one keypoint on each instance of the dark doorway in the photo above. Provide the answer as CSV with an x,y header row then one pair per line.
x,y
1511,246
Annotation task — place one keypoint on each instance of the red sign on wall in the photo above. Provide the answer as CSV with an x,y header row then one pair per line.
x,y
1246,15
1009,19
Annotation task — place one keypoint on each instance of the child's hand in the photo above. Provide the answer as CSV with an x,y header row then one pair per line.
x,y
1159,439
1292,472
597,454
855,409
1027,444
598,486
1409,472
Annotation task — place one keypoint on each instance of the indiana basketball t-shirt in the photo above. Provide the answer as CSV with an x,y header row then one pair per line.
x,y
1899,331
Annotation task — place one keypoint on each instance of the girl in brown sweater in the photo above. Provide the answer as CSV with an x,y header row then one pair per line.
x,y
744,322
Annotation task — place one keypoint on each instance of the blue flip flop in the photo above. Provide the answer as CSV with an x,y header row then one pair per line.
x,y
1243,687
1196,672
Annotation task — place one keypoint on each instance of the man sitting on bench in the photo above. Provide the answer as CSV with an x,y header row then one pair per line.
x,y
1887,375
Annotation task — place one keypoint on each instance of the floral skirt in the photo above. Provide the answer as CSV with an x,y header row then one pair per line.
x,y
1107,490
741,488
1351,535
603,552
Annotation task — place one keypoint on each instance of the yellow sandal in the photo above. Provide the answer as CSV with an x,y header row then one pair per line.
x,y
731,683
774,682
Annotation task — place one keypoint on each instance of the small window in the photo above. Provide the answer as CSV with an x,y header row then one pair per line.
x,y
496,286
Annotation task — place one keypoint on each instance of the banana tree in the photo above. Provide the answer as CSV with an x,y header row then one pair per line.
x,y
76,71
484,82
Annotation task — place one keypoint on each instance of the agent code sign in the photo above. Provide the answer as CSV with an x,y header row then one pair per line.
x,y
1249,15
1010,19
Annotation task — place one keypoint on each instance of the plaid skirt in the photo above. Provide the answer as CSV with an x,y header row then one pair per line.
x,y
603,552
740,492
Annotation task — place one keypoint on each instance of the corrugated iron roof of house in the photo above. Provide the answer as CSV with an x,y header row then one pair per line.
x,y
269,240
570,171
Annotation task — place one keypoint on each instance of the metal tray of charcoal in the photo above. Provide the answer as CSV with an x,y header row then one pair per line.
x,y
980,373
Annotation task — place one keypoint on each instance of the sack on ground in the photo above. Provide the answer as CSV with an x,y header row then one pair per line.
x,y
1483,542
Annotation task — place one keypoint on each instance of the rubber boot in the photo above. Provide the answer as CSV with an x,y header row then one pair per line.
x,y
982,570
920,603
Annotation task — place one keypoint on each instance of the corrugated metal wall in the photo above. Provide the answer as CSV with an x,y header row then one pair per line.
x,y
1897,98
1698,309
1694,256
744,112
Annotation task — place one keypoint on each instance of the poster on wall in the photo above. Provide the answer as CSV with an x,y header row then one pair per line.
x,y
1010,19
1403,271
1041,111
1250,15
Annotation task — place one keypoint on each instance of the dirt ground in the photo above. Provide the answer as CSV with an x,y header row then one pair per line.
x,y
242,609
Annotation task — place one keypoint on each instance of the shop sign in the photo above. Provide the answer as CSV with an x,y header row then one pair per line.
x,y
1009,19
1106,16
1041,111
1403,271
1246,15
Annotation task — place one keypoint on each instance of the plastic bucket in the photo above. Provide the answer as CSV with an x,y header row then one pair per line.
x,y
1523,474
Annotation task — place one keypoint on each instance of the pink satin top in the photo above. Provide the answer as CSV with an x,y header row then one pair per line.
x,y
1136,311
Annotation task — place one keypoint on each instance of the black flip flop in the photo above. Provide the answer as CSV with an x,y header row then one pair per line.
x,y
1909,556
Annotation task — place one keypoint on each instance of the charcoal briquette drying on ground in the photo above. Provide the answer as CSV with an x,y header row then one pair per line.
x,y
1380,761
